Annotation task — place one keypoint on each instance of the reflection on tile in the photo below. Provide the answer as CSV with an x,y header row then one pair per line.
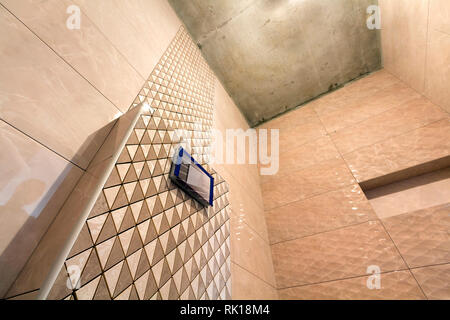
x,y
40,95
248,287
87,49
412,194
409,116
305,183
246,209
434,281
328,211
366,107
422,236
335,255
398,285
295,136
353,93
250,251
426,144
303,156
34,182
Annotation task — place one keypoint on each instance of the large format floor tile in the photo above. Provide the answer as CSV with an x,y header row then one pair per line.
x,y
305,183
338,254
421,192
434,281
422,237
399,285
377,103
409,116
304,156
353,93
425,144
325,212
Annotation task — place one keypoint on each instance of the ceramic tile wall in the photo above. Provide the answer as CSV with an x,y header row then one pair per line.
x,y
116,37
323,231
145,238
44,67
416,45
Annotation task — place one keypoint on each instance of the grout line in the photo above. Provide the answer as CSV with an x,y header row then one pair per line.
x,y
409,269
63,59
325,231
43,145
341,279
309,197
20,294
104,35
240,266
400,134
431,265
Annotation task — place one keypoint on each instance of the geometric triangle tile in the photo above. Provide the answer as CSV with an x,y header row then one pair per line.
x,y
169,291
124,280
100,206
102,290
87,291
161,271
82,243
112,277
154,251
116,254
108,229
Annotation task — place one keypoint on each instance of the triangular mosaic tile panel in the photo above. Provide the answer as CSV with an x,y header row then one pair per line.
x,y
145,238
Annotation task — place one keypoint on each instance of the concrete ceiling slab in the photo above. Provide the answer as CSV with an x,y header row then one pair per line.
x,y
274,55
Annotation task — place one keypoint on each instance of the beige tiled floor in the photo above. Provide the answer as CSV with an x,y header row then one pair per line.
x,y
323,231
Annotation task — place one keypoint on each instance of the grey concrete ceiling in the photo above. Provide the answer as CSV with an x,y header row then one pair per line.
x,y
274,55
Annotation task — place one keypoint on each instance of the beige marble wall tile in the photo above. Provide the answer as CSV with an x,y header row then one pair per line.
x,y
248,287
338,254
328,211
440,15
434,281
409,116
141,30
250,251
325,176
404,37
412,194
422,236
34,184
86,50
424,144
438,68
40,95
398,285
